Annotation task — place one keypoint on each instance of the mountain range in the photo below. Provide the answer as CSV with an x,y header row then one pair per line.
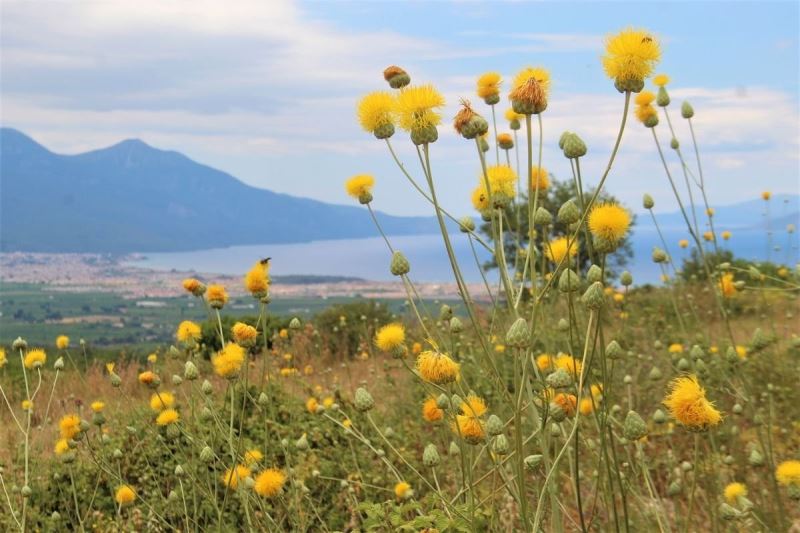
x,y
132,197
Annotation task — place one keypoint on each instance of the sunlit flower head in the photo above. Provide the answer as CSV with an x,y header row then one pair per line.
x,y
675,348
35,358
149,377
390,337
69,426
161,400
766,195
708,236
568,363
312,405
244,334
586,406
788,473
683,243
644,98
233,476
688,405
61,447
631,56
3,359
360,185
376,113
489,86
734,491
727,285
167,417
62,342
188,332
228,361
480,198
217,296
257,279
644,113
502,181
541,75
417,107
557,249
545,362
98,406
530,91
468,424
567,402
194,286
436,367
269,483
402,491
726,235
26,405
741,351
124,495
253,456
539,178
431,411
609,222
660,80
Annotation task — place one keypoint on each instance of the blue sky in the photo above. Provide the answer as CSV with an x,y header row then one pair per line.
x,y
267,90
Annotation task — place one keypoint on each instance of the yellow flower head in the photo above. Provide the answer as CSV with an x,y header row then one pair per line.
x,y
244,334
557,249
167,417
61,447
539,178
609,222
34,358
726,235
390,337
683,243
62,342
188,332
788,473
545,362
568,363
431,411
734,491
328,402
727,285
512,115
586,406
125,495
283,333
253,456
217,296
631,56
480,198
766,195
375,111
148,378
416,348
69,426
257,279
567,402
228,361
416,107
192,285
110,368
436,367
708,236
675,348
489,84
505,140
402,490
541,75
269,483
360,185
231,477
644,112
644,98
473,406
741,351
311,405
152,358
688,405
98,406
3,359
502,180
661,80
468,424
161,400
27,405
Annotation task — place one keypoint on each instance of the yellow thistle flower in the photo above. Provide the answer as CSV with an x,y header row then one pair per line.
x,y
631,56
489,84
390,337
683,243
545,362
148,377
217,296
253,456
3,359
586,406
468,424
727,285
500,348
269,483
231,477
312,405
708,236
416,348
557,249
125,495
541,75
193,286
741,351
286,372
568,363
347,423
502,180
244,334
152,358
360,185
257,279
167,417
567,402
402,490
110,368
34,358
416,105
726,235
710,211
188,332
61,447
512,115
228,361
539,178
283,333
644,98
161,400
788,473
437,368
480,198
431,412
98,406
505,141
609,222
62,342
733,491
69,426
661,80
766,195
327,402
597,392
688,405
375,111
27,405
675,348
644,112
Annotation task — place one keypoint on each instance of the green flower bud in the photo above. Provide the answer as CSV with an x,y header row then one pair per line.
x,y
500,445
399,265
737,409
532,461
474,127
674,489
302,443
176,379
686,110
674,144
443,402
659,417
445,313
363,400
190,371
728,513
295,323
26,491
696,352
594,298
207,455
626,279
755,459
574,147
569,213
115,380
634,427
559,379
455,325
594,274
518,335
425,135
683,364
662,99
430,456
19,344
633,85
55,516
569,281
514,124
179,472
659,255
542,217
557,413
655,374
206,414
555,430
651,121
648,202
206,387
760,340
613,350
563,139
494,426
466,224
384,131
59,364
454,449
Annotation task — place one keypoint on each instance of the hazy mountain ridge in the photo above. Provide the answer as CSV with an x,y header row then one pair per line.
x,y
131,197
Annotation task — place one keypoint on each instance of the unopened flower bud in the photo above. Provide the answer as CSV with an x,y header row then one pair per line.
x,y
613,350
494,426
594,274
559,379
634,427
542,217
686,110
569,213
430,456
648,202
19,344
518,334
569,281
207,455
594,298
207,387
190,371
466,225
59,364
363,400
455,325
662,99
532,461
500,445
574,147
